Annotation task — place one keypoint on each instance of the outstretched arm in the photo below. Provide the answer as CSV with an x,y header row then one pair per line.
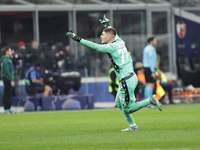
x,y
105,48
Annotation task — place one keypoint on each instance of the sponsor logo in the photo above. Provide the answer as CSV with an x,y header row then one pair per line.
x,y
106,45
181,29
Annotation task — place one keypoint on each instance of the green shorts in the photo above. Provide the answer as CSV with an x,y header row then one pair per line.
x,y
125,94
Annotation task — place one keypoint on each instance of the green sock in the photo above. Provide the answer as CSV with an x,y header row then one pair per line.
x,y
138,105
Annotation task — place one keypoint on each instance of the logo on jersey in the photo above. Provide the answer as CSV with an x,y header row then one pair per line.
x,y
106,46
181,29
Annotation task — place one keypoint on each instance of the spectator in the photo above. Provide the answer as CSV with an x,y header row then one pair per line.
x,y
163,81
1,48
61,61
21,45
7,74
68,57
141,79
34,82
82,61
140,74
113,82
34,50
52,56
22,54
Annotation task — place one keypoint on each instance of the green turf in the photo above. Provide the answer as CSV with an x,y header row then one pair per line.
x,y
177,127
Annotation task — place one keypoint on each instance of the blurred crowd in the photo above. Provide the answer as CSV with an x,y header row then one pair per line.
x,y
54,57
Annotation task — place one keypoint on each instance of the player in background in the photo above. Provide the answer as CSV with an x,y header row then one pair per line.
x,y
149,64
123,66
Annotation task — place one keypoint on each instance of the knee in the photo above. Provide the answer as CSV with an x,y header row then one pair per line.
x,y
127,111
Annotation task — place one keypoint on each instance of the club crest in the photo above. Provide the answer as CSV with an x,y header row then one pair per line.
x,y
181,29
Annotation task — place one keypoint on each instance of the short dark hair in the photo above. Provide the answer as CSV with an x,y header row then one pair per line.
x,y
111,30
150,39
5,49
37,64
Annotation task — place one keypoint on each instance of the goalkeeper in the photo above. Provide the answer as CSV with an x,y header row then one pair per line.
x,y
123,66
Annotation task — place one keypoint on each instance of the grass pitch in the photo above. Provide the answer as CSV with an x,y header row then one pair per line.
x,y
176,127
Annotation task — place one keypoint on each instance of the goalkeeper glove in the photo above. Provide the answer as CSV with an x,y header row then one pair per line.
x,y
105,21
72,35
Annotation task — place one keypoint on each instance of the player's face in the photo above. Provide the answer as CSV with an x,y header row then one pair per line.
x,y
9,52
38,68
104,38
154,42
35,45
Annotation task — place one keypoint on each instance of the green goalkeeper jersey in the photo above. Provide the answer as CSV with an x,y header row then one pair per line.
x,y
117,53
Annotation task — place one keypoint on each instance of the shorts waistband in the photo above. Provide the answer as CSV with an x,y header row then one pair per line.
x,y
127,77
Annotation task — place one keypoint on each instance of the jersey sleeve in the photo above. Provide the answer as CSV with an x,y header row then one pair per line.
x,y
33,75
105,48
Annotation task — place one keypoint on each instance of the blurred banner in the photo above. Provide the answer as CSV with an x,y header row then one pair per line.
x,y
187,36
